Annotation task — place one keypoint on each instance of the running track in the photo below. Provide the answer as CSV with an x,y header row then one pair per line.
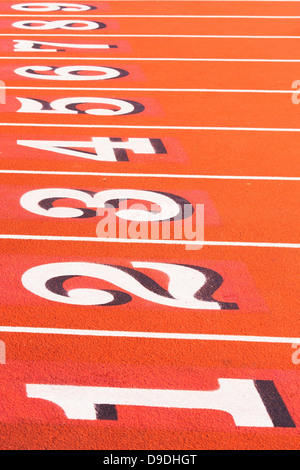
x,y
112,343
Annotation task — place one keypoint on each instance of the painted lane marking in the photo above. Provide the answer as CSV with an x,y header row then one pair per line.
x,y
149,335
184,128
181,90
153,175
149,241
160,59
223,36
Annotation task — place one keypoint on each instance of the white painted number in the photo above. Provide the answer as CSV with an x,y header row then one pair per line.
x,y
71,73
190,287
109,106
72,25
240,398
46,7
106,149
39,201
23,45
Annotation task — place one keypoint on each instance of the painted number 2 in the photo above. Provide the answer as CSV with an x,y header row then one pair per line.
x,y
189,287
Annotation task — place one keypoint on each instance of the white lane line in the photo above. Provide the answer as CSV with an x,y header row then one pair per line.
x,y
201,36
182,128
180,90
160,59
209,1
151,175
104,16
150,335
153,242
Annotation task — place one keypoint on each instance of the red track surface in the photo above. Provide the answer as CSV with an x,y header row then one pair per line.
x,y
135,361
